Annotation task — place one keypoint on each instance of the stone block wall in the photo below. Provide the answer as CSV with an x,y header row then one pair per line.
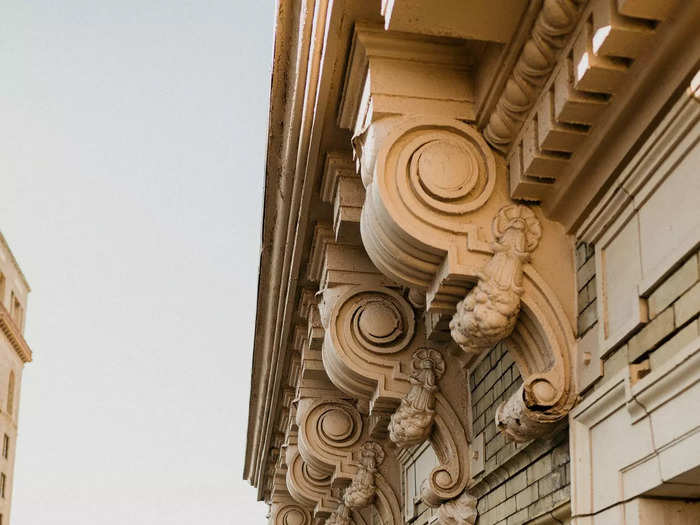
x,y
673,308
519,482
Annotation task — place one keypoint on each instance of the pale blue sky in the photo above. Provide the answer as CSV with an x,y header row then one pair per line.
x,y
132,138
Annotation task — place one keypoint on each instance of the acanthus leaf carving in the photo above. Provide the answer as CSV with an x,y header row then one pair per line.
x,y
459,511
412,422
363,488
490,310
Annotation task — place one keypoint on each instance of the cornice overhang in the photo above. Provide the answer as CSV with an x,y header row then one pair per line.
x,y
14,335
306,78
606,85
4,244
269,249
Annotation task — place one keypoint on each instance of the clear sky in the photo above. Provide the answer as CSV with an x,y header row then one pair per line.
x,y
132,139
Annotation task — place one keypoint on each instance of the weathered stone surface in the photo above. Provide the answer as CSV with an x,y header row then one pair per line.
x,y
524,498
688,305
440,226
672,288
649,336
681,338
616,361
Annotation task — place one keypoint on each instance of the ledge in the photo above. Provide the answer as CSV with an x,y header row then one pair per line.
x,y
14,336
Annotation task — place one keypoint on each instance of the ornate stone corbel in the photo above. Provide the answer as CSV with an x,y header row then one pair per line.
x,y
369,330
363,488
490,310
459,511
433,187
412,422
370,338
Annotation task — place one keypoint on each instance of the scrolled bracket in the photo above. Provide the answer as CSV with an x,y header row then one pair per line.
x,y
369,329
328,433
532,410
459,511
412,422
366,486
449,440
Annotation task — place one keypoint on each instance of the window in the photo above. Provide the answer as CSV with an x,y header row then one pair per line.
x,y
16,310
5,447
11,393
416,468
3,482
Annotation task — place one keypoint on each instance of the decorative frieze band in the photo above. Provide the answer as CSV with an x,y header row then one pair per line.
x,y
550,32
593,69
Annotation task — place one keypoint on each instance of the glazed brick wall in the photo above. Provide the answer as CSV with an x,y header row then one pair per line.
x,y
586,287
519,482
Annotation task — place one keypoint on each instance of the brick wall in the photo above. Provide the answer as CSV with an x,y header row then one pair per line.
x,y
519,482
586,287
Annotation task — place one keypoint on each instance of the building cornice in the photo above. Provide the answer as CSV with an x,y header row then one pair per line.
x,y
14,335
3,241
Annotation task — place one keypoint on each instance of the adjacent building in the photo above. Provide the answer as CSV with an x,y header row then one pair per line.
x,y
14,353
479,278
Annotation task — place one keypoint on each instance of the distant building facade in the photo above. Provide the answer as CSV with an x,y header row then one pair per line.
x,y
14,353
479,280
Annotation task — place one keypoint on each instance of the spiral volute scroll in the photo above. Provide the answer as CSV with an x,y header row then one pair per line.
x,y
369,328
292,515
328,433
306,484
426,180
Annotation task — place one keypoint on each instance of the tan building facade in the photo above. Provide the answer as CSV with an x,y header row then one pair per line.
x,y
480,280
14,353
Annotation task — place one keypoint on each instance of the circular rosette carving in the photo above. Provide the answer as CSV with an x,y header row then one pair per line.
x,y
367,327
428,358
292,515
328,433
517,226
